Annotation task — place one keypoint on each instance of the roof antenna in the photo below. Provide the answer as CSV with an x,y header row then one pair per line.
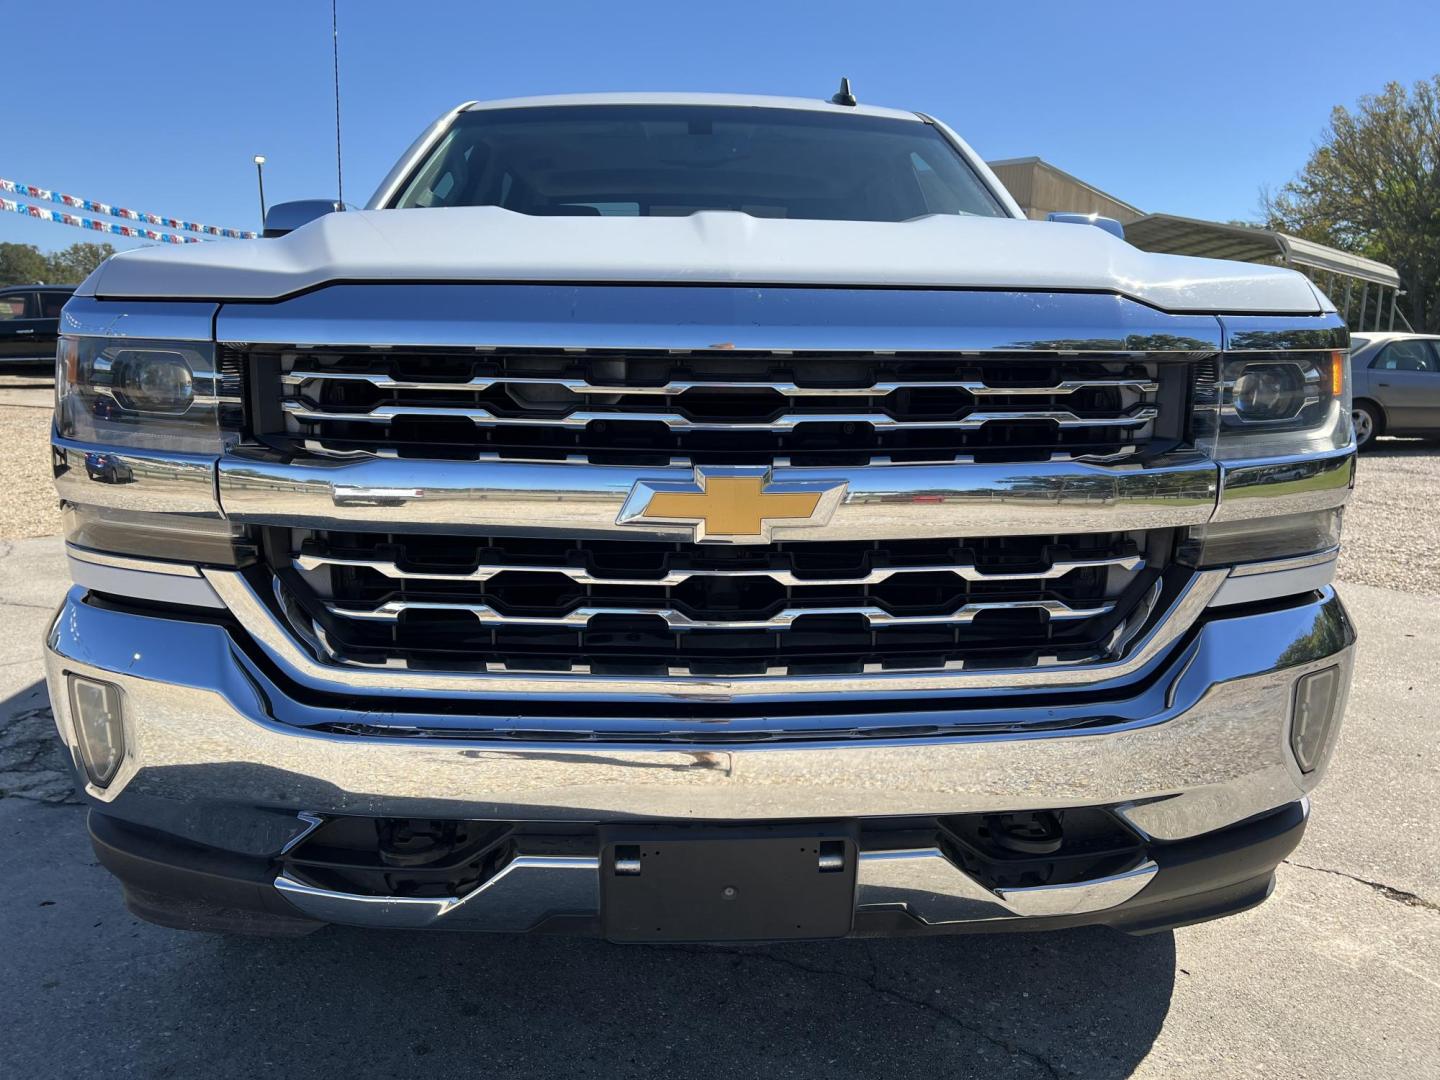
x,y
843,96
335,51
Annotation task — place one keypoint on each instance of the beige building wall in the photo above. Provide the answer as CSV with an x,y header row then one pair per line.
x,y
1041,189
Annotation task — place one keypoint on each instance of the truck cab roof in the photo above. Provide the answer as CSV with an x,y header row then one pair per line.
x,y
754,101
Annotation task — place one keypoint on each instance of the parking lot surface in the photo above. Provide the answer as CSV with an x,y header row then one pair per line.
x,y
27,505
1337,975
1392,524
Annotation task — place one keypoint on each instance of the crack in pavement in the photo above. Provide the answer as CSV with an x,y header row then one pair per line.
x,y
33,763
1400,896
872,983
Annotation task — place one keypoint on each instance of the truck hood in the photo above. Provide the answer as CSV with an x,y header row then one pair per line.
x,y
488,244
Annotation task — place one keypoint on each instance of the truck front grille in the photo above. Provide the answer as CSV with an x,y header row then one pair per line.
x,y
620,607
647,407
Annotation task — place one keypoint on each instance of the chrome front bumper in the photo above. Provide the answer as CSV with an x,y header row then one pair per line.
x,y
1199,745
923,882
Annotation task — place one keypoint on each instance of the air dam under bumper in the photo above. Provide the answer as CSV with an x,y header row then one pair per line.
x,y
897,891
208,770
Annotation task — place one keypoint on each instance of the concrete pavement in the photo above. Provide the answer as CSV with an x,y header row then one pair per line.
x,y
1338,975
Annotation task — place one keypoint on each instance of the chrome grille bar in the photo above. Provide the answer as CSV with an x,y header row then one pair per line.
x,y
675,387
320,449
496,667
391,610
390,569
386,414
686,682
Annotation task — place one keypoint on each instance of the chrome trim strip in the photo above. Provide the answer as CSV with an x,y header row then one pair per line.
x,y
922,882
717,317
880,502
397,912
1325,332
526,890
384,414
165,588
680,671
580,576
530,888
161,320
129,562
278,641
1296,484
932,889
144,480
322,450
1245,569
1078,897
391,610
675,388
1252,586
308,824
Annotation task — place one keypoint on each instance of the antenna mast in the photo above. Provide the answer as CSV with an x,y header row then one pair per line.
x,y
335,50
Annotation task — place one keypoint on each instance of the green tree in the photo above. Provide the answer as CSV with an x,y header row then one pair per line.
x,y
25,264
21,264
73,265
1372,186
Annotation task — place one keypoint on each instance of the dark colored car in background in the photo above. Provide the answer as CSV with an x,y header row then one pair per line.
x,y
107,468
1397,385
30,321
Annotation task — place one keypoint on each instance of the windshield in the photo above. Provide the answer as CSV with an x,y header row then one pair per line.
x,y
673,160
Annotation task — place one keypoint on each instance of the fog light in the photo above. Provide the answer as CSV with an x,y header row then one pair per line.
x,y
1316,698
95,710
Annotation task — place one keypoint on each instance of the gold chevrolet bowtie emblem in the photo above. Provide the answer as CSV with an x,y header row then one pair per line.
x,y
732,505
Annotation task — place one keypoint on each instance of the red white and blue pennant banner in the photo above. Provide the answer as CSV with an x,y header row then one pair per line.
x,y
91,223
30,191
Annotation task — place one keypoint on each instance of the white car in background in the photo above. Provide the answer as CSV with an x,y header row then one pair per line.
x,y
1396,380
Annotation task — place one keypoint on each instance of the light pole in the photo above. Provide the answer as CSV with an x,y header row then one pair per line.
x,y
260,176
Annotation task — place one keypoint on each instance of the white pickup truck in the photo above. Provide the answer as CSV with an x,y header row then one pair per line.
x,y
696,517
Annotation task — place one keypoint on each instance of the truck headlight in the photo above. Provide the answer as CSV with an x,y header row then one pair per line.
x,y
1275,411
153,381
1269,393
153,395
1268,405
123,395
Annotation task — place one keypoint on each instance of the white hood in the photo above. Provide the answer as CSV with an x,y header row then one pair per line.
x,y
488,244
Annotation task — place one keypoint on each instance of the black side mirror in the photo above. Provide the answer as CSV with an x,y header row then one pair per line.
x,y
288,216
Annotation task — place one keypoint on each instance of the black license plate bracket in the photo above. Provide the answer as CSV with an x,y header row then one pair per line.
x,y
726,884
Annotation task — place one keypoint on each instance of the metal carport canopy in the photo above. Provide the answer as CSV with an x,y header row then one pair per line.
x,y
1173,235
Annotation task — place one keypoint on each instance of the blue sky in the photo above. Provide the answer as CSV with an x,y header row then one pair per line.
x,y
1183,108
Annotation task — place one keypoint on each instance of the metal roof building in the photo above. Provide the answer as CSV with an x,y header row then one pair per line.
x,y
1040,189
1366,292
